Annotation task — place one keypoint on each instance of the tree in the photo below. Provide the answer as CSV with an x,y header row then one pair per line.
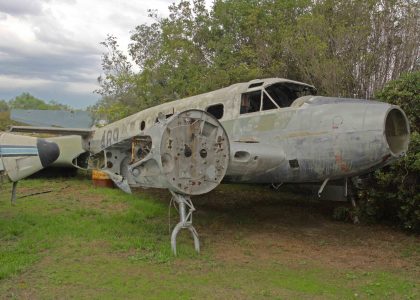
x,y
27,101
3,106
54,105
344,48
117,86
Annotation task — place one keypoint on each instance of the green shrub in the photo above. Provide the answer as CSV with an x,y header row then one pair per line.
x,y
393,193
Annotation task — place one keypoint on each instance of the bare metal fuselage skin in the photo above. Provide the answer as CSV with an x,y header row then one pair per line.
x,y
324,138
313,139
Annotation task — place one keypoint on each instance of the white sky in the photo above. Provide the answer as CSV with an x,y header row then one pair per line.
x,y
50,48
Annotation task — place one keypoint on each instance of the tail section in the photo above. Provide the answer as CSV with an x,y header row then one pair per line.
x,y
22,156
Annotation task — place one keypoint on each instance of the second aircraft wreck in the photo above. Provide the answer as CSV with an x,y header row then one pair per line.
x,y
263,131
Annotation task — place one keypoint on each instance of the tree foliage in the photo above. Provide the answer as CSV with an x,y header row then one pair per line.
x,y
344,48
27,101
393,193
4,106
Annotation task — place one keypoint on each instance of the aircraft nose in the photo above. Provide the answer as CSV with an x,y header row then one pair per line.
x,y
48,152
397,131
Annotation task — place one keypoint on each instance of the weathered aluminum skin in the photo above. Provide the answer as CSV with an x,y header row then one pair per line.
x,y
328,137
130,126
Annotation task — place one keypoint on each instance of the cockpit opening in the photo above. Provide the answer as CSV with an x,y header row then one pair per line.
x,y
274,96
284,93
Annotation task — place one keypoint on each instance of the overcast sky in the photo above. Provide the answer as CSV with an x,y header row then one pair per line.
x,y
50,48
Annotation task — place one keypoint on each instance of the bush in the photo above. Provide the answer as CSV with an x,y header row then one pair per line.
x,y
393,193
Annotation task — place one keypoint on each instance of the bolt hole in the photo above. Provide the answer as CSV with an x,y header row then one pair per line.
x,y
187,151
203,153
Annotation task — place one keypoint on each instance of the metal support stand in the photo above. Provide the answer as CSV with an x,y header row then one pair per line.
x,y
13,198
185,220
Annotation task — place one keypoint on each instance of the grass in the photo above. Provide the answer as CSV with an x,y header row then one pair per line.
x,y
84,242
43,223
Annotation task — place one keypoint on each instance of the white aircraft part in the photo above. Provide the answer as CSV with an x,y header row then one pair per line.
x,y
22,156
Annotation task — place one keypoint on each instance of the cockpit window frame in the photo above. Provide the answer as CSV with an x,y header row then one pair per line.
x,y
290,90
287,88
269,98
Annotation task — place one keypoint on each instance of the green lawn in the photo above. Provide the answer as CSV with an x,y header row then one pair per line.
x,y
83,242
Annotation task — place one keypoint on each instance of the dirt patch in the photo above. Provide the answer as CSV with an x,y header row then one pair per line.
x,y
296,246
255,223
62,196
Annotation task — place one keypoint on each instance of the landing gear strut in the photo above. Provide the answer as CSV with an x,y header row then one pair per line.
x,y
349,193
185,220
13,197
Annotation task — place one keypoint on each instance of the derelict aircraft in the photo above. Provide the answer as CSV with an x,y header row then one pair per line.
x,y
266,131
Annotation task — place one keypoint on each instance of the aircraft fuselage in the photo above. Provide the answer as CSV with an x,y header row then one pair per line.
x,y
280,132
